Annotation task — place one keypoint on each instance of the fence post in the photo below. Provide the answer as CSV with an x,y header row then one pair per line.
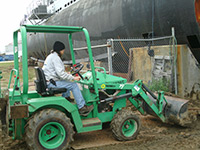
x,y
109,50
175,61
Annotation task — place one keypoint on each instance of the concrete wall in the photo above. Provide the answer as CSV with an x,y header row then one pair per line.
x,y
188,71
141,65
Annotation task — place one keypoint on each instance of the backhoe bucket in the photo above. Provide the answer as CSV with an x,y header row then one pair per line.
x,y
175,110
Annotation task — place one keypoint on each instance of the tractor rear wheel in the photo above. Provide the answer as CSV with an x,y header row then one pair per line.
x,y
49,129
125,125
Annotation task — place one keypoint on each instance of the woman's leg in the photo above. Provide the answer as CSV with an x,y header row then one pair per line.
x,y
71,86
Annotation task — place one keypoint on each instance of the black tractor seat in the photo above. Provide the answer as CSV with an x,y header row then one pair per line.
x,y
41,85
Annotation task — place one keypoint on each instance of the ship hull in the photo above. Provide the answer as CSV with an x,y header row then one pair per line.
x,y
106,19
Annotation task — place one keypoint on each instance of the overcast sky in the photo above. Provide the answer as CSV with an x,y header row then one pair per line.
x,y
11,13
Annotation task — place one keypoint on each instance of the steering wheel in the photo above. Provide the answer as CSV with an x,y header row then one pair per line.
x,y
76,69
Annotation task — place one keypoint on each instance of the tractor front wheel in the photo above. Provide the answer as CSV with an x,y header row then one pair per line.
x,y
125,125
49,129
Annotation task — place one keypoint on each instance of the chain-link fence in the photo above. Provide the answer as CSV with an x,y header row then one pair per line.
x,y
124,56
121,49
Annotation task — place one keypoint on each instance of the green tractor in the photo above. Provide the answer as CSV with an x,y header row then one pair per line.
x,y
47,121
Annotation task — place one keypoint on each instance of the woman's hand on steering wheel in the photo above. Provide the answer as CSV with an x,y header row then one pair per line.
x,y
77,78
76,69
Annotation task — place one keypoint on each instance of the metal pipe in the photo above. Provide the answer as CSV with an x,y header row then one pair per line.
x,y
175,56
142,40
96,46
149,91
153,18
109,57
116,97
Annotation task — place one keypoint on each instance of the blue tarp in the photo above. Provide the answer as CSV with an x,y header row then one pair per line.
x,y
6,57
2,58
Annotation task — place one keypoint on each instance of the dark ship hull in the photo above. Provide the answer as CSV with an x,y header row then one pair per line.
x,y
106,19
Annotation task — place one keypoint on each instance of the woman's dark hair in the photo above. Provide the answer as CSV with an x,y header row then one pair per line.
x,y
57,47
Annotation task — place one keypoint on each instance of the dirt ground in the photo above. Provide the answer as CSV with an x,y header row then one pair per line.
x,y
154,135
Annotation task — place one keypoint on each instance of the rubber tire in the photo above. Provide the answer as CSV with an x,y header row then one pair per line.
x,y
118,121
39,119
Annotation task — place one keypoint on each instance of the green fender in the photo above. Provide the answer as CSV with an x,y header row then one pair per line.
x,y
59,103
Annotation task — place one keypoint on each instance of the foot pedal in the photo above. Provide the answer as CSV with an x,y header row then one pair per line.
x,y
91,122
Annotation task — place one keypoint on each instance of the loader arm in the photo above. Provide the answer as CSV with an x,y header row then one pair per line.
x,y
168,110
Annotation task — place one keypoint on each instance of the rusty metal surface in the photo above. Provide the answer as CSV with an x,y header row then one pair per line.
x,y
19,111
